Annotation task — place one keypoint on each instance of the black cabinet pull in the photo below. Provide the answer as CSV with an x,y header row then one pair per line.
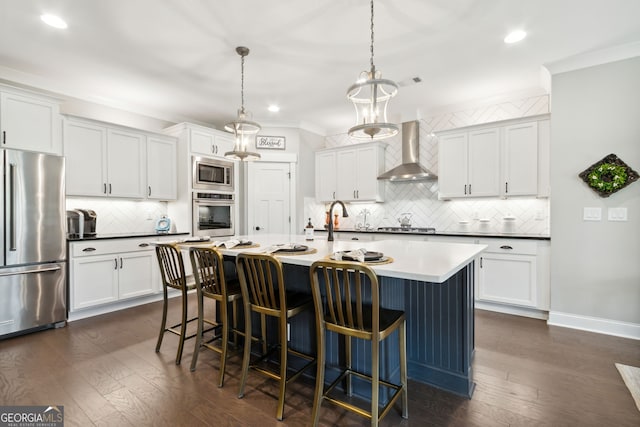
x,y
258,228
149,191
88,249
143,245
354,238
116,261
469,188
506,247
121,263
109,188
4,136
465,189
480,262
104,188
506,187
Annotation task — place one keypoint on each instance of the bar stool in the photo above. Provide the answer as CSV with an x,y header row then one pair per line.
x,y
209,274
340,307
263,291
173,276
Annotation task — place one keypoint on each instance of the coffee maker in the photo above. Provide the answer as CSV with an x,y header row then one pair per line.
x,y
81,223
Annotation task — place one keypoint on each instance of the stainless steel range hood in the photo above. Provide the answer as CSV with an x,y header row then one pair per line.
x,y
410,169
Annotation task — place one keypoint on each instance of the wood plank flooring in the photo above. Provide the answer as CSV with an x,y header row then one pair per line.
x,y
105,372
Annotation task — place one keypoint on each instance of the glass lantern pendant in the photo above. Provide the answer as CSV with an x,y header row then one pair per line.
x,y
242,128
370,95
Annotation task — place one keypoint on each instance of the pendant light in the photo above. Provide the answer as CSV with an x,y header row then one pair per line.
x,y
370,95
242,128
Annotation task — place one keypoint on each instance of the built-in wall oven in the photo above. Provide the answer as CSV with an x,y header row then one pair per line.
x,y
212,174
213,214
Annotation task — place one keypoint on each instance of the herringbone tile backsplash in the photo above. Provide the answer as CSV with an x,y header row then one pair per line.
x,y
421,198
121,216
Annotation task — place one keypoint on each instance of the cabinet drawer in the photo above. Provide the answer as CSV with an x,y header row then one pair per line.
x,y
95,247
507,246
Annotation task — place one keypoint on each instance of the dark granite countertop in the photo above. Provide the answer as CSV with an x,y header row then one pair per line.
x,y
125,236
489,234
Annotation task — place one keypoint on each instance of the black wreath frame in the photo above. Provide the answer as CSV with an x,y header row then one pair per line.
x,y
632,175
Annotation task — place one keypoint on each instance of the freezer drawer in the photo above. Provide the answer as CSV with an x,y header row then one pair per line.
x,y
32,297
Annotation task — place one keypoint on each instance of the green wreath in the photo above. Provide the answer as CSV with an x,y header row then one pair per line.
x,y
608,177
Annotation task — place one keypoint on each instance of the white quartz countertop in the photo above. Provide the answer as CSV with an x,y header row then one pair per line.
x,y
414,260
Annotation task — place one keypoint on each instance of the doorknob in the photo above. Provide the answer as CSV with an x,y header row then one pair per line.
x,y
258,228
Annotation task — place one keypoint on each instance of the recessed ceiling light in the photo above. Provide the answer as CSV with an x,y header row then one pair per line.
x,y
274,108
53,20
515,36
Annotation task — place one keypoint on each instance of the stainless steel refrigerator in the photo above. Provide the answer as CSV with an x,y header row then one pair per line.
x,y
33,265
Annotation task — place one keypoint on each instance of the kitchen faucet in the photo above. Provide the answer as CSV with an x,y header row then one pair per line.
x,y
345,214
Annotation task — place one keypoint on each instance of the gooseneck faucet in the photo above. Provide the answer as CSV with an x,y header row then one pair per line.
x,y
345,214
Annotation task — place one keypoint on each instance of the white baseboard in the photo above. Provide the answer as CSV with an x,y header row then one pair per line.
x,y
595,324
512,309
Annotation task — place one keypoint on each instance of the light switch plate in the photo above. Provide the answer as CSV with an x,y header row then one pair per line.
x,y
617,214
592,214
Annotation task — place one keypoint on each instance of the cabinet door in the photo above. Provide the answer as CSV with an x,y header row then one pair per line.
x,y
452,165
203,143
126,164
85,151
367,169
509,279
224,144
520,160
135,274
94,281
29,123
162,179
484,167
326,176
346,174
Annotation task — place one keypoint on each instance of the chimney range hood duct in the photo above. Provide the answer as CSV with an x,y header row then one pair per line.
x,y
410,169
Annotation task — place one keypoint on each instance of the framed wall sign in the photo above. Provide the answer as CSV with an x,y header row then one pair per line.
x,y
270,142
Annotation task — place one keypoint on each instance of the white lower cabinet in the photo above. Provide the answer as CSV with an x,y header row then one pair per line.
x,y
509,279
109,271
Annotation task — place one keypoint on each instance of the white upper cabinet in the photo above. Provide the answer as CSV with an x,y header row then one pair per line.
x,y
126,164
85,151
161,168
520,160
105,160
210,142
468,164
29,122
350,173
326,177
508,160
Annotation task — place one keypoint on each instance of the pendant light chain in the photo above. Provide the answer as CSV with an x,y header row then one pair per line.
x,y
242,83
372,66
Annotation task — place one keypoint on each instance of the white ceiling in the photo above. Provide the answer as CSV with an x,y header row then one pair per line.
x,y
175,59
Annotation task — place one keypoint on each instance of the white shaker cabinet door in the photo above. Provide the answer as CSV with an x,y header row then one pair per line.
x,y
484,163
509,279
85,151
162,180
452,165
94,281
326,177
126,164
346,173
520,161
367,170
204,143
29,123
135,274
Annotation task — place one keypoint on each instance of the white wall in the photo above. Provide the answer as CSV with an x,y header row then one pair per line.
x,y
595,266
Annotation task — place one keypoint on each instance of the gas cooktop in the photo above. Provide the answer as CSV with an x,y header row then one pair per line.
x,y
429,230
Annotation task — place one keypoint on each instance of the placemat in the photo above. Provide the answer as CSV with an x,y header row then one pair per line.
x,y
287,253
388,260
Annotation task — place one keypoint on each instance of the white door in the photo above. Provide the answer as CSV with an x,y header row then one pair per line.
x,y
452,165
126,164
269,198
484,154
85,149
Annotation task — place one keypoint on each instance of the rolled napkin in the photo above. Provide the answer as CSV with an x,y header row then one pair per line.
x,y
231,243
285,247
356,254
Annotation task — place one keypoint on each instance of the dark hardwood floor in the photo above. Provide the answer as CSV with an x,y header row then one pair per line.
x,y
105,372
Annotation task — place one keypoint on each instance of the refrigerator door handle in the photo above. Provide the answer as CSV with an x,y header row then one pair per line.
x,y
12,207
15,272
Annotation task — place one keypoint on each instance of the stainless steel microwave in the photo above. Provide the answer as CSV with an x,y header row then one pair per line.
x,y
212,174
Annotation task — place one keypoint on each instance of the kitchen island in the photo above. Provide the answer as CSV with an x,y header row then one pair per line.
x,y
431,281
